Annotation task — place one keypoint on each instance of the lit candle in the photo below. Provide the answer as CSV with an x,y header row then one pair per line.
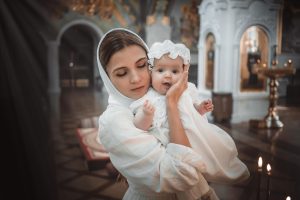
x,y
289,62
288,198
268,180
274,63
259,170
258,61
264,65
260,163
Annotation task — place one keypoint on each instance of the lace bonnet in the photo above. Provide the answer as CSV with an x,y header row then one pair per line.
x,y
158,49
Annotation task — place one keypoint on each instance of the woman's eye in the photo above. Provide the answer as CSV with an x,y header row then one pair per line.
x,y
142,66
121,73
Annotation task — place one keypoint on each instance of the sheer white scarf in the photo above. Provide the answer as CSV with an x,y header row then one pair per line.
x,y
115,97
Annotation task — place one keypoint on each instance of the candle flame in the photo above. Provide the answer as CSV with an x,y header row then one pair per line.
x,y
288,198
260,162
268,167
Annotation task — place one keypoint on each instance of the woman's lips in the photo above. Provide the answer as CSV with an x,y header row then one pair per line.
x,y
137,88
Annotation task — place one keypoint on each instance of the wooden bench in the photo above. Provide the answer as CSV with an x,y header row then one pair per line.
x,y
94,152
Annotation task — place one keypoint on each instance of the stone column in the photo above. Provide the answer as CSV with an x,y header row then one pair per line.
x,y
53,67
158,29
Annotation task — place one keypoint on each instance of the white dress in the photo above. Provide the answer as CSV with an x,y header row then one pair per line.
x,y
212,143
153,171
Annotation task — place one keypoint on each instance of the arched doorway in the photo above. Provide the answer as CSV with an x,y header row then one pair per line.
x,y
76,58
253,53
209,61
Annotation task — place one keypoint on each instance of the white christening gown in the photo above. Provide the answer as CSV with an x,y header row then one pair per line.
x,y
212,143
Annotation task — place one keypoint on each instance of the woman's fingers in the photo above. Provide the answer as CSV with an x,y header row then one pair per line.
x,y
178,88
186,67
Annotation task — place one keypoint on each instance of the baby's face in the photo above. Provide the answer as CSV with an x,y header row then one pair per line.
x,y
166,71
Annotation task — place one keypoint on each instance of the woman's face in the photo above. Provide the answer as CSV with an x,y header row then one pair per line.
x,y
128,71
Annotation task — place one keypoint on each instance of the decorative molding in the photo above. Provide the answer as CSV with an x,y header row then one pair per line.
x,y
265,21
221,5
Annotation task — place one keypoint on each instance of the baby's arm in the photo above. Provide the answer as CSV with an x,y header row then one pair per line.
x,y
204,107
144,116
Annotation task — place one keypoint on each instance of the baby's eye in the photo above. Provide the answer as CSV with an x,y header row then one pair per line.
x,y
160,70
174,71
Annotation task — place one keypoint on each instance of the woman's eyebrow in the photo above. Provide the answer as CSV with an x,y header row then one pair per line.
x,y
124,67
144,58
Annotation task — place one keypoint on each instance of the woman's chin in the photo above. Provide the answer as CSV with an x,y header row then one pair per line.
x,y
137,95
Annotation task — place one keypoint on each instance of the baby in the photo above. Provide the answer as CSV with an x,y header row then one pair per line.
x,y
212,143
165,72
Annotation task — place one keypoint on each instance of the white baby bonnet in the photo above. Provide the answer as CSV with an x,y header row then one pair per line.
x,y
158,49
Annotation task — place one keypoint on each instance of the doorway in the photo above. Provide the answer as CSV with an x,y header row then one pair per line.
x,y
76,58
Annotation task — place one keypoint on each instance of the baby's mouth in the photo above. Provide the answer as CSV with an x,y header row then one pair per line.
x,y
168,85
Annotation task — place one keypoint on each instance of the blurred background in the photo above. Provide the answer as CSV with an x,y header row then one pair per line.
x,y
50,87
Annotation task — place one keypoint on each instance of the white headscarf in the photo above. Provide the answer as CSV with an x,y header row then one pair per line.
x,y
115,97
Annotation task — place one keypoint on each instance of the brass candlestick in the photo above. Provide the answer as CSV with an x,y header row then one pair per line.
x,y
271,120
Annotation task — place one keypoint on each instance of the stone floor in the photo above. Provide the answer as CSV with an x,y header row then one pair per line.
x,y
280,148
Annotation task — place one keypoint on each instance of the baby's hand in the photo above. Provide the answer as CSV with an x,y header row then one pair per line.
x,y
148,108
205,106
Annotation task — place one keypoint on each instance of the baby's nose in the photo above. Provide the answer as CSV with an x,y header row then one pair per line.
x,y
168,74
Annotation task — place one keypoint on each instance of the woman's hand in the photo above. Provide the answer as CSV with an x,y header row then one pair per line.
x,y
176,90
177,132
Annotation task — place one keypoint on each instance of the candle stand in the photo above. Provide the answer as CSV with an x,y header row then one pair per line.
x,y
272,120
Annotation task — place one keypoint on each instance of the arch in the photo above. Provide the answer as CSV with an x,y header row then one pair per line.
x,y
209,60
98,32
254,49
53,51
207,31
245,26
202,57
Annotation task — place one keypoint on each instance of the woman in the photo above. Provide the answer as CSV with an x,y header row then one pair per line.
x,y
153,171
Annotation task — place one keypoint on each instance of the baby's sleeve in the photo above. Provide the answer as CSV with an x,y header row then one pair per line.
x,y
194,93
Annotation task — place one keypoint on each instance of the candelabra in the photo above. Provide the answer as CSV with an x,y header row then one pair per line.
x,y
274,72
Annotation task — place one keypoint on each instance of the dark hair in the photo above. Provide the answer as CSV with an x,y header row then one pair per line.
x,y
116,41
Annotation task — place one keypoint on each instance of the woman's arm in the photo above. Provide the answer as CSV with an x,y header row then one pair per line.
x,y
177,132
143,160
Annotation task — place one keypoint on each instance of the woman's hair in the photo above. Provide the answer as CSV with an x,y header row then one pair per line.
x,y
116,41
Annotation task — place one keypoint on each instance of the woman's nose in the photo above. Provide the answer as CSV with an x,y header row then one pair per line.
x,y
135,77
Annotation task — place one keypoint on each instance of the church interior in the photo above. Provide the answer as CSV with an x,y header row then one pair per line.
x,y
245,56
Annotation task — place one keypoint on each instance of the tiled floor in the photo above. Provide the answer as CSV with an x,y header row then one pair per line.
x,y
280,148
